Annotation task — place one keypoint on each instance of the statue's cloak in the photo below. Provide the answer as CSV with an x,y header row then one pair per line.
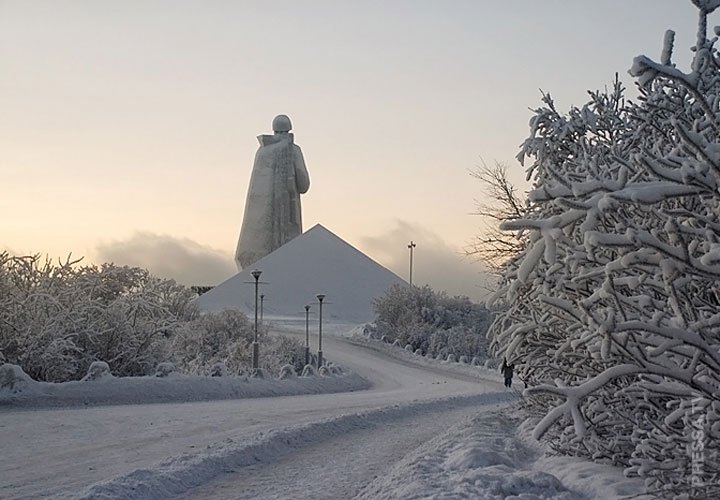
x,y
272,207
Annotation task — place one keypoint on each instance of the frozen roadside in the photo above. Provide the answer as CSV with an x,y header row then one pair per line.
x,y
173,388
492,456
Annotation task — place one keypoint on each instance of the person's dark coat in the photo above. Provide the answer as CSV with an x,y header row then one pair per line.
x,y
507,371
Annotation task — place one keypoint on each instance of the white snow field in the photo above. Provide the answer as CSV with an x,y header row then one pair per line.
x,y
419,431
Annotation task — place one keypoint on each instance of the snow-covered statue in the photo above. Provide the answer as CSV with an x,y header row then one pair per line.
x,y
272,208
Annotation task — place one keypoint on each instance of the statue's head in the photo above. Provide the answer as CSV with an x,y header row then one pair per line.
x,y
281,123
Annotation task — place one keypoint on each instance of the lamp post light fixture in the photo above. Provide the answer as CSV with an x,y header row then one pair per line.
x,y
320,298
255,347
307,335
411,246
262,300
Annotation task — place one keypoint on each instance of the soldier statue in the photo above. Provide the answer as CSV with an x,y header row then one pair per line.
x,y
272,208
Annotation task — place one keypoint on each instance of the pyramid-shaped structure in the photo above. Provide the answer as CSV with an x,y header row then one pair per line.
x,y
315,262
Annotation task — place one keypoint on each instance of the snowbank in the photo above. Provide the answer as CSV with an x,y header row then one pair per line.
x,y
487,458
173,387
13,380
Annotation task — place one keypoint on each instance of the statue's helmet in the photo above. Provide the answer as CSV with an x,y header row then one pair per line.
x,y
281,123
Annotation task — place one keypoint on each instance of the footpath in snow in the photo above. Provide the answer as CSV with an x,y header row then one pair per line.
x,y
491,456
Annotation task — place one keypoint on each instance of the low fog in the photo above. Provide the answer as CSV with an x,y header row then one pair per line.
x,y
181,259
436,263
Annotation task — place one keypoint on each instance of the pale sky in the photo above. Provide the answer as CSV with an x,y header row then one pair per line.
x,y
127,128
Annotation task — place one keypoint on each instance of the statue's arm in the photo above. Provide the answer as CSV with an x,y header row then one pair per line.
x,y
302,179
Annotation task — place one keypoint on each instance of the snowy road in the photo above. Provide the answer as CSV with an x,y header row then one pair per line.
x,y
333,468
62,451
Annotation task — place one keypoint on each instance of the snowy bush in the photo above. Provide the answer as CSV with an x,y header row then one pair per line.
x,y
165,369
258,373
56,319
225,337
463,360
13,379
418,352
308,371
422,319
97,370
217,370
286,372
451,358
280,350
613,307
324,371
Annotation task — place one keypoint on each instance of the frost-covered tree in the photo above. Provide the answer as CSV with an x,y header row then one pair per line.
x,y
212,339
225,338
56,320
614,316
432,322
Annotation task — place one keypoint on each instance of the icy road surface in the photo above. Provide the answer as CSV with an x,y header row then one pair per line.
x,y
53,452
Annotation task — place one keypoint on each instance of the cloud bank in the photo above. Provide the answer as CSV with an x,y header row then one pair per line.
x,y
181,259
435,263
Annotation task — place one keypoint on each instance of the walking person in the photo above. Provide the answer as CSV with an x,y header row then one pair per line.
x,y
507,371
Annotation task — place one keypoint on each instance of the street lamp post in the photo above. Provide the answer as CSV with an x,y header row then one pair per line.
x,y
411,246
307,335
255,347
262,300
320,298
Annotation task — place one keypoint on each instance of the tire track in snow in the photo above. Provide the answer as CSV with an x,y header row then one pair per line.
x,y
180,474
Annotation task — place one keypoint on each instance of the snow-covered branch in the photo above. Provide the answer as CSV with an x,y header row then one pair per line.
x,y
613,314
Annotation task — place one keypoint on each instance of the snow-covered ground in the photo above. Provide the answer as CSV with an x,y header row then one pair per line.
x,y
485,457
428,430
174,388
